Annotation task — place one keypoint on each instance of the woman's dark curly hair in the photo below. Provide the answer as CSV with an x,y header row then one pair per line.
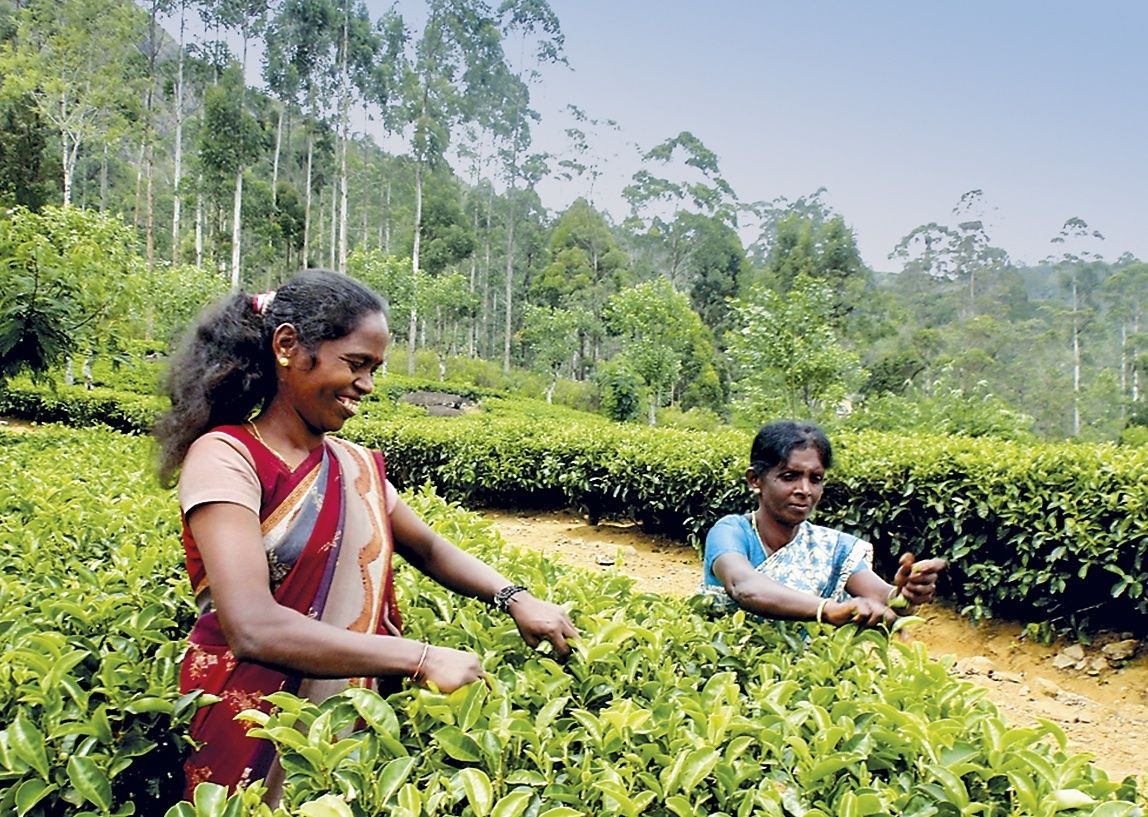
x,y
776,441
224,370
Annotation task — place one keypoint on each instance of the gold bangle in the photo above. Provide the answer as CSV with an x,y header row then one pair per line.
x,y
821,609
419,666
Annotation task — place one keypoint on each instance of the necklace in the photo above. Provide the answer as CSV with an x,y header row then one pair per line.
x,y
255,433
757,529
769,551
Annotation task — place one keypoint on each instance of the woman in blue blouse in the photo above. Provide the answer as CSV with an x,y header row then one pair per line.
x,y
775,563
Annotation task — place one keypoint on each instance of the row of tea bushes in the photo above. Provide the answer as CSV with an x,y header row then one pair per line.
x,y
80,407
665,709
93,612
1037,532
1053,533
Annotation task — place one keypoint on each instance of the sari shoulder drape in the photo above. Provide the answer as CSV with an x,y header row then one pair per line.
x,y
327,538
816,560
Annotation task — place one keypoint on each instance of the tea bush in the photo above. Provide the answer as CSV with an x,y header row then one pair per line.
x,y
665,709
93,613
1052,533
77,406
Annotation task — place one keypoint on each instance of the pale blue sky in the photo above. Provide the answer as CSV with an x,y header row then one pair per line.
x,y
897,108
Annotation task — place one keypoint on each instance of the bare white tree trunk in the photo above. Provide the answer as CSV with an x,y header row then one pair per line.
x,y
415,247
1075,361
307,201
69,152
236,228
199,223
344,127
1135,368
177,170
509,319
139,183
387,222
334,243
275,160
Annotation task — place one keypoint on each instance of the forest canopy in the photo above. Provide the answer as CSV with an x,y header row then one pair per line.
x,y
154,154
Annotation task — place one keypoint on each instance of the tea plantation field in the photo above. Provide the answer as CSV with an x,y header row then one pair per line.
x,y
665,708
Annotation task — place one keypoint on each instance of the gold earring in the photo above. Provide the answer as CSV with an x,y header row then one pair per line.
x,y
283,361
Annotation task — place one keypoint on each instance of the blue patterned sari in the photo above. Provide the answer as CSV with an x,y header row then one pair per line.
x,y
816,560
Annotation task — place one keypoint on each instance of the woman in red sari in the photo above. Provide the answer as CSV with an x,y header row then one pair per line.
x,y
289,532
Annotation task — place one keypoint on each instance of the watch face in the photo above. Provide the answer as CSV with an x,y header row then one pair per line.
x,y
502,597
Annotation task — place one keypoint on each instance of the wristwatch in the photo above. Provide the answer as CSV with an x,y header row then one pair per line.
x,y
502,597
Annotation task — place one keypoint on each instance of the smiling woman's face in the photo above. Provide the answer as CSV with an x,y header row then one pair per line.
x,y
791,490
327,394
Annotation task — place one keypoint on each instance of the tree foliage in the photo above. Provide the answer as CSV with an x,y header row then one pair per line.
x,y
787,356
76,61
655,325
68,281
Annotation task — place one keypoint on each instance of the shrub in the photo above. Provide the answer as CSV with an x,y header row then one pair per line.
x,y
1039,532
664,709
621,396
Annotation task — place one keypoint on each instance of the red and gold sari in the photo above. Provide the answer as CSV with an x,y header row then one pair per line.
x,y
327,536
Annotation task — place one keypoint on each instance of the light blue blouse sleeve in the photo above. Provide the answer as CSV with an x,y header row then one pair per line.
x,y
726,536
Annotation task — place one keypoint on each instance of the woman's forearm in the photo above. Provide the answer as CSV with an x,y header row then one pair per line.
x,y
282,637
766,597
462,572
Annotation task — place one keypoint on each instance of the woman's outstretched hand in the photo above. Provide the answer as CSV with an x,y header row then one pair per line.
x,y
540,621
858,610
916,581
448,669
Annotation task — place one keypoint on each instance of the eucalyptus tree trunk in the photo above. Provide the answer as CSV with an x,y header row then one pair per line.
x,y
487,302
1075,360
236,228
387,221
509,314
334,242
275,159
344,124
199,208
139,184
237,205
149,198
199,221
1135,368
415,247
69,152
177,168
472,325
307,200
149,141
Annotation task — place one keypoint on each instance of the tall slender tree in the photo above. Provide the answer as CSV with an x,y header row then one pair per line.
x,y
445,84
1076,267
660,205
1126,290
73,60
524,19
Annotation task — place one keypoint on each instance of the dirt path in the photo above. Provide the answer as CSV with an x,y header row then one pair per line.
x,y
1105,714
